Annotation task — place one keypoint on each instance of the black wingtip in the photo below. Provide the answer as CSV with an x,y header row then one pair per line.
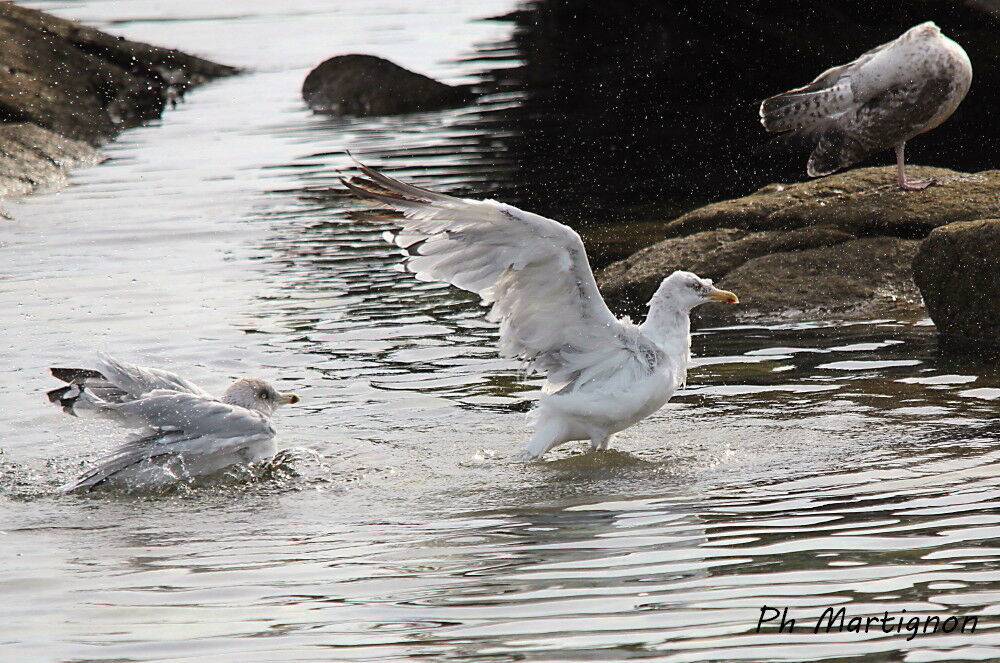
x,y
75,375
65,397
55,396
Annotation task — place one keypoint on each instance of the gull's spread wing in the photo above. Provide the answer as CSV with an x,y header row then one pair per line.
x,y
533,271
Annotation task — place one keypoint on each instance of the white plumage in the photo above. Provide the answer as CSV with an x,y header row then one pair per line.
x,y
184,433
603,373
881,100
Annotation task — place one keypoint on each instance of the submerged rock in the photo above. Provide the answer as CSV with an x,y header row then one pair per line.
x,y
363,85
65,88
957,270
837,245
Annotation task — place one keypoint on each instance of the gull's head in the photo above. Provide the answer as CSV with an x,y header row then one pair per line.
x,y
686,290
256,394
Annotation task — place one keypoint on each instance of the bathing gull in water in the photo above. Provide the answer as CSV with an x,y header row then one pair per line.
x,y
185,432
881,100
603,373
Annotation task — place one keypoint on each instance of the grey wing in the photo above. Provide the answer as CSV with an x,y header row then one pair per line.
x,y
136,380
195,415
886,120
176,423
88,390
834,75
151,446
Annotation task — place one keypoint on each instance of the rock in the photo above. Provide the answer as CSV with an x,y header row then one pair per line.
x,y
630,283
957,269
862,277
864,201
841,245
82,83
363,85
65,88
31,157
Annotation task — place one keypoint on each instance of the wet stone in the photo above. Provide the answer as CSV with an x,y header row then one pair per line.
x,y
362,85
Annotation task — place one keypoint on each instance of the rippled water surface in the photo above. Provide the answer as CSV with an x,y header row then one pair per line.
x,y
806,465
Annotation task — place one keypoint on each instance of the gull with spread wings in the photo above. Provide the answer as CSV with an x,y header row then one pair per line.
x,y
603,373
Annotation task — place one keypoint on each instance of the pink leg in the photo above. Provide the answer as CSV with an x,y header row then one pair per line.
x,y
905,183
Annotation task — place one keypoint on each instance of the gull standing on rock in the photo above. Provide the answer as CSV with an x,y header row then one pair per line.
x,y
603,373
881,100
185,431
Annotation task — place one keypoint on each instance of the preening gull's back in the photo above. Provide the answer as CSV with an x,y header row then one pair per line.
x,y
881,100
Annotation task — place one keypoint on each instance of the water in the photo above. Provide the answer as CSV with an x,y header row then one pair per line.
x,y
807,465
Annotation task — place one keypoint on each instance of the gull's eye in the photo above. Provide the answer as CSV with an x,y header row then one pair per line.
x,y
263,395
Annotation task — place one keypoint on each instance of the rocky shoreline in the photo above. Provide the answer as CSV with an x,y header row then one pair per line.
x,y
840,246
65,88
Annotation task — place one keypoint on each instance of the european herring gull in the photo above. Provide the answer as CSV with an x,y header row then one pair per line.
x,y
603,374
185,432
881,100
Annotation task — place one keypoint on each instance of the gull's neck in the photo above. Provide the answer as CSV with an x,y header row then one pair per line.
x,y
669,327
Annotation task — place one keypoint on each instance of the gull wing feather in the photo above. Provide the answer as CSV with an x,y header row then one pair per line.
x,y
136,381
829,94
195,415
881,122
175,423
117,381
532,270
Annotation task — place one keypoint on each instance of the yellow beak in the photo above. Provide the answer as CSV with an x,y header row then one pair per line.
x,y
288,399
724,296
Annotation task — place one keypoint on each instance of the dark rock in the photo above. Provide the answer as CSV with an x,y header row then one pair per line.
x,y
863,277
630,283
363,85
83,83
864,201
840,245
957,270
65,88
